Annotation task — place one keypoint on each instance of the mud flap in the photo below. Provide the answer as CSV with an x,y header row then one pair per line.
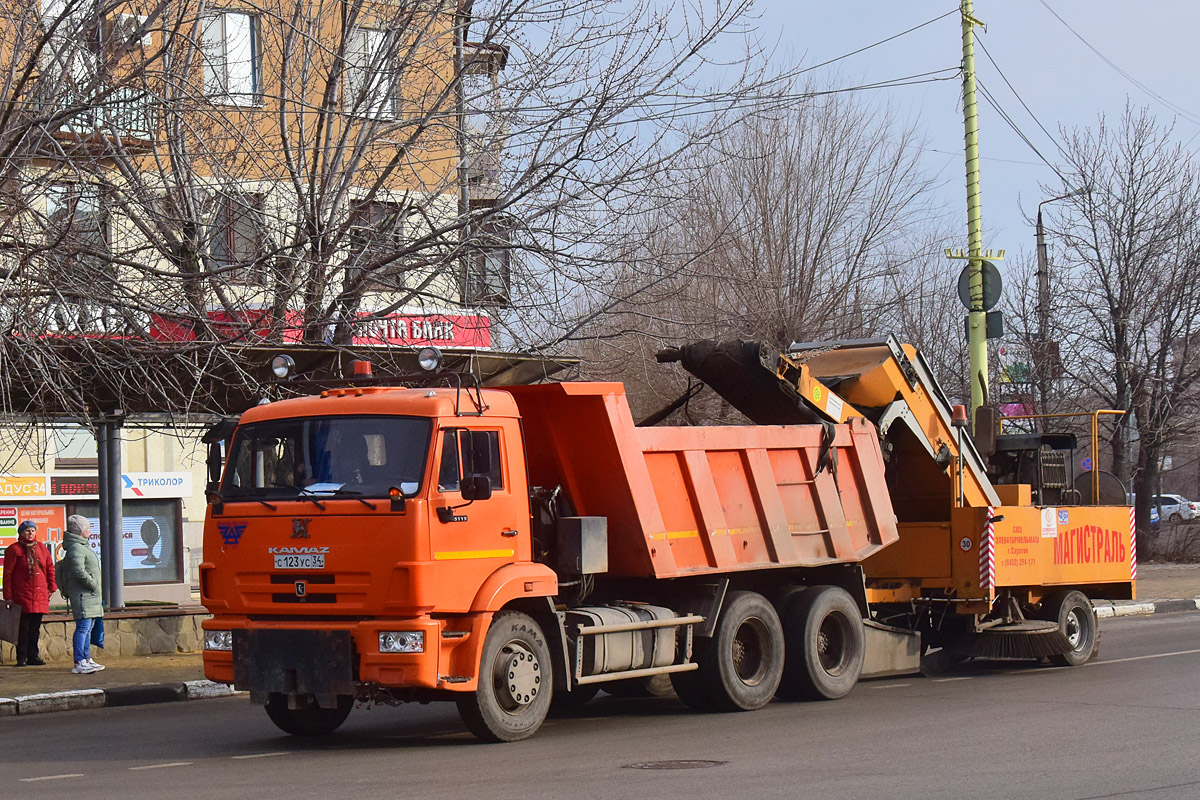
x,y
890,651
317,663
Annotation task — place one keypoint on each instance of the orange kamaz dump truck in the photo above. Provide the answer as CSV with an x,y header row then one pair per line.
x,y
520,548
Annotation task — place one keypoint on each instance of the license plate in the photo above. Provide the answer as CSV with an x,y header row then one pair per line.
x,y
307,561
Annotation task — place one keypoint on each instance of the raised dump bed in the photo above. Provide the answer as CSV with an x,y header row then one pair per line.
x,y
686,501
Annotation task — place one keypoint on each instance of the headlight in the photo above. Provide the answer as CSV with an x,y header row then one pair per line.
x,y
218,640
402,641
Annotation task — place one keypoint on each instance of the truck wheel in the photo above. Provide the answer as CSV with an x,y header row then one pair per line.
x,y
741,667
313,721
1077,621
515,681
825,645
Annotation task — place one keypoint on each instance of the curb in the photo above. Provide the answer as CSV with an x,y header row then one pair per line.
x,y
1125,608
79,699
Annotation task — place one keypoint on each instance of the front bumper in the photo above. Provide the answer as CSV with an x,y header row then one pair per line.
x,y
331,657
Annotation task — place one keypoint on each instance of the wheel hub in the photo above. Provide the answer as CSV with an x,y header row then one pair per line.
x,y
519,676
1074,629
749,662
831,644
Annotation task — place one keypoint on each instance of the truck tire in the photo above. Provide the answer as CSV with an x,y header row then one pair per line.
x,y
516,681
825,645
1076,618
307,721
740,667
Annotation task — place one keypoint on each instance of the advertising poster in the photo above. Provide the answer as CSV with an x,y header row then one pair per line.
x,y
51,521
151,539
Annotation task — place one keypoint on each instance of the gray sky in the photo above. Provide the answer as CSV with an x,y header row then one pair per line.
x,y
1063,82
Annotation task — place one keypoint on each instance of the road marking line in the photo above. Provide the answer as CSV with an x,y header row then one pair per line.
x,y
262,755
1143,658
164,766
947,680
892,686
52,777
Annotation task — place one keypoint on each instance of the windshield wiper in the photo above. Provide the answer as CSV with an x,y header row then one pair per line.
x,y
302,493
353,495
243,499
305,494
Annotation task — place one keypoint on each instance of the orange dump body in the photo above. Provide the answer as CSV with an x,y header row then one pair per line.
x,y
686,501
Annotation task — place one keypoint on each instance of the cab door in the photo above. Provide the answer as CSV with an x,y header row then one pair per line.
x,y
471,539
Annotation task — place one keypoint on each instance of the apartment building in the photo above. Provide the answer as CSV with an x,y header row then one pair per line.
x,y
186,175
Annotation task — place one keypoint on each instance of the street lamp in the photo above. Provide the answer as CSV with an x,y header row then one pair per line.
x,y
1042,355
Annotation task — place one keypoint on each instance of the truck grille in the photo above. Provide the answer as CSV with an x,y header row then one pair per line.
x,y
308,598
262,590
292,578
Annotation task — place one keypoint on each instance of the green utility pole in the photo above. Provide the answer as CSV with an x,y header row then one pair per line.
x,y
976,315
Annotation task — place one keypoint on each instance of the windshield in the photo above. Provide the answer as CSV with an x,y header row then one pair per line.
x,y
327,457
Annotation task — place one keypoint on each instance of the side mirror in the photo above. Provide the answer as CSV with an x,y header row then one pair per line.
x,y
476,487
214,464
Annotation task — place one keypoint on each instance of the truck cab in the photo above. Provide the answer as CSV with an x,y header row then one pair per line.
x,y
359,539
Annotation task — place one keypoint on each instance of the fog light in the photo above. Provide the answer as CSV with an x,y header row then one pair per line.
x,y
402,641
218,640
282,366
429,358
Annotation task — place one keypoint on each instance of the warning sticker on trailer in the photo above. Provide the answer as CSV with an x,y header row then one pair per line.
x,y
833,406
1049,523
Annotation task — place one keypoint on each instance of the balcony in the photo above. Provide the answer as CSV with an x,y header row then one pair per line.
x,y
484,128
124,118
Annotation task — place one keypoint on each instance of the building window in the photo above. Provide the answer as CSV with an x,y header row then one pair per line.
x,y
77,232
236,236
73,448
489,262
232,72
376,234
371,85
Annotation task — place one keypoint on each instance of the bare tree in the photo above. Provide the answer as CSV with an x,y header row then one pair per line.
x,y
1129,309
187,180
812,221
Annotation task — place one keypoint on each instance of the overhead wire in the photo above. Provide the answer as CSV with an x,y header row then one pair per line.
x,y
877,44
1178,109
1004,115
1020,99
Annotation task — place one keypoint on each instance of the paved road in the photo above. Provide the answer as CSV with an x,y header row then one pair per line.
x,y
1125,726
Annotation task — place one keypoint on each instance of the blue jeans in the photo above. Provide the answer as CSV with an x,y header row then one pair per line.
x,y
88,632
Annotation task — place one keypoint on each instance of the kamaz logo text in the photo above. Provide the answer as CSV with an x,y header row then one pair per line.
x,y
297,551
231,534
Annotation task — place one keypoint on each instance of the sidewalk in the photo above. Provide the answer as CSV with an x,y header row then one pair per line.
x,y
134,680
167,678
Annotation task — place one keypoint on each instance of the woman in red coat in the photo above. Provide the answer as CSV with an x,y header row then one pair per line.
x,y
29,582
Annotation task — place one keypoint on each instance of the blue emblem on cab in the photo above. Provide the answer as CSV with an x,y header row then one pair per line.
x,y
1062,516
231,533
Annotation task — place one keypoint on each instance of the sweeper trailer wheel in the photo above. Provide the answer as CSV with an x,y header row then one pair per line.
x,y
1076,619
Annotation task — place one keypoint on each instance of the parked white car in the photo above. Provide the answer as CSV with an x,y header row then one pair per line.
x,y
1175,507
1131,499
